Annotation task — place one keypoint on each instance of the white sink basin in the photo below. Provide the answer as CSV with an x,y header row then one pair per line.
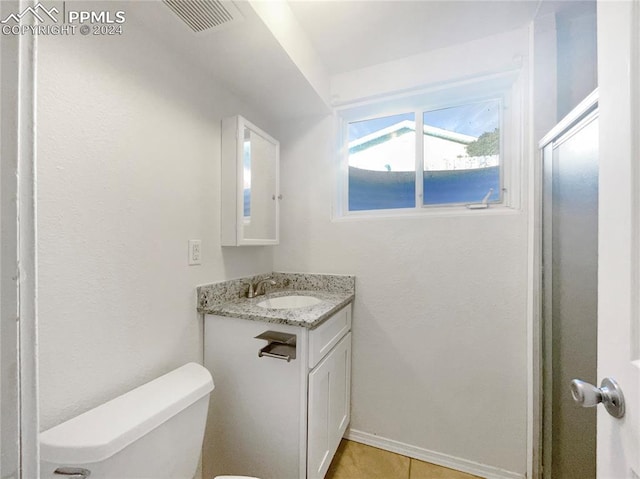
x,y
289,302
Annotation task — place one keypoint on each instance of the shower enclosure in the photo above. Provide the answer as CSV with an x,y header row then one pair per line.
x,y
570,281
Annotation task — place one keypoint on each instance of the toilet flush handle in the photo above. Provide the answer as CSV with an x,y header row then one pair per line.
x,y
73,472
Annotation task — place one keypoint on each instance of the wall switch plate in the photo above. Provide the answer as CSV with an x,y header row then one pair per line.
x,y
195,252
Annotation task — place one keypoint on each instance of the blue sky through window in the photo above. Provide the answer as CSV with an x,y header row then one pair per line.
x,y
473,119
359,129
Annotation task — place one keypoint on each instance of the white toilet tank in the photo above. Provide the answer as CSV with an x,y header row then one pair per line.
x,y
152,432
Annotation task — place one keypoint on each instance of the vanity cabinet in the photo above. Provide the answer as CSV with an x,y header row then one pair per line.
x,y
250,189
277,416
329,405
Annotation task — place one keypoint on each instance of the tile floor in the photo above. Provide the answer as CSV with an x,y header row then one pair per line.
x,y
358,461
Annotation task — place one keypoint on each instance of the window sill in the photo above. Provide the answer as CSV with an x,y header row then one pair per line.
x,y
430,212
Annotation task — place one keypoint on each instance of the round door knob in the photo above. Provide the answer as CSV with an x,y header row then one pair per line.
x,y
585,394
609,394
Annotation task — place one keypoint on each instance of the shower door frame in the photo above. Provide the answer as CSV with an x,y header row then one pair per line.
x,y
539,429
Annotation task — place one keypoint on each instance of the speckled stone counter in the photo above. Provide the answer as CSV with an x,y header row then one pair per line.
x,y
228,298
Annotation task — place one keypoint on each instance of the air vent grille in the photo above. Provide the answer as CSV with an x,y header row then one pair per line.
x,y
203,15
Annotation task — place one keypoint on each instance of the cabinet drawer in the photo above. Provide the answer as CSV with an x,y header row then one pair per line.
x,y
327,335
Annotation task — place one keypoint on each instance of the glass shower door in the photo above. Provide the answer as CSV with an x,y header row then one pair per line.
x,y
570,271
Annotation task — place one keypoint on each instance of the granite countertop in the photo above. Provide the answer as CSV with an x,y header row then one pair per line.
x,y
228,298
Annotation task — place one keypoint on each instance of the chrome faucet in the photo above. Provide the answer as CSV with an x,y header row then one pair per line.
x,y
260,287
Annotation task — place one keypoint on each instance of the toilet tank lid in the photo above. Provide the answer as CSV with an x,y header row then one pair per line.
x,y
107,429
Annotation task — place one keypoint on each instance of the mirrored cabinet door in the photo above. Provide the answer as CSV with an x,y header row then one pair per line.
x,y
250,186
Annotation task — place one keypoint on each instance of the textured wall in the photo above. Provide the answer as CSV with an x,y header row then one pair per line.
x,y
439,326
577,55
128,146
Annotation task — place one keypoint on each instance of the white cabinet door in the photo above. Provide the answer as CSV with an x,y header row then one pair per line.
x,y
329,407
618,450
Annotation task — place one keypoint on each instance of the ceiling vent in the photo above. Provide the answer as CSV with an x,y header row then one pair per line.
x,y
203,15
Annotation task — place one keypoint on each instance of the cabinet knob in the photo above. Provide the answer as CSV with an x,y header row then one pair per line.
x,y
273,197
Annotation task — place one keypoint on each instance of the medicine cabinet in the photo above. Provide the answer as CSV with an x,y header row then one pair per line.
x,y
250,161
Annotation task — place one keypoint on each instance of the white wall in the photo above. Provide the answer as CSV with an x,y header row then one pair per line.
x,y
577,55
128,146
439,343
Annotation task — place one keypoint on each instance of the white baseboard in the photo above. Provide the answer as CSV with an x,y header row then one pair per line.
x,y
463,465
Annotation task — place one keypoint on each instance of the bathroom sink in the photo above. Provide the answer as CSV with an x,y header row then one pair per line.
x,y
289,302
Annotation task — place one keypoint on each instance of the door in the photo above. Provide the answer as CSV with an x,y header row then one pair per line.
x,y
570,260
618,454
329,406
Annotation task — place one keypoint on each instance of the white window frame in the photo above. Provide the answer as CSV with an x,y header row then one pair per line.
x,y
505,87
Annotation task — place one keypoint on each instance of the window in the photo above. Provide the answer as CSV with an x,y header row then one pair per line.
x,y
452,148
461,159
382,163
458,156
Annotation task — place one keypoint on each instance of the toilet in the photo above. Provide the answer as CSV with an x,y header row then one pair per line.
x,y
152,432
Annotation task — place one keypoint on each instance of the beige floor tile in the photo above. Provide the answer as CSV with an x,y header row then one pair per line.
x,y
358,461
424,470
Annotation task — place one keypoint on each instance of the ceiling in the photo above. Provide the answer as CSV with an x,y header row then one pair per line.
x,y
244,57
353,34
346,34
